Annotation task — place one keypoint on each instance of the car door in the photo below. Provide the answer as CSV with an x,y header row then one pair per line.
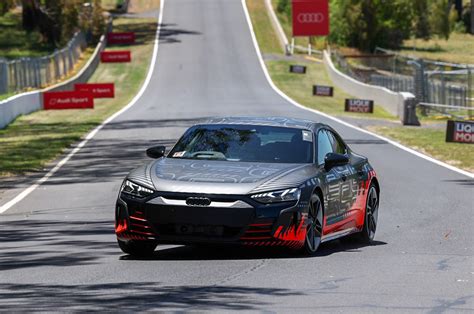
x,y
332,178
349,177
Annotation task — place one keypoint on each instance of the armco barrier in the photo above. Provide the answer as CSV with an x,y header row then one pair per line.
x,y
32,101
392,102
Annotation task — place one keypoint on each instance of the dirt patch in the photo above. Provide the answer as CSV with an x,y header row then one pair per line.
x,y
139,6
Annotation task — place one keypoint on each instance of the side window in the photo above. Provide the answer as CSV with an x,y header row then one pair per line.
x,y
324,146
337,144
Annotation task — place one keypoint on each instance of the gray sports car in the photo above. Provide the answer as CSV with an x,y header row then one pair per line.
x,y
249,181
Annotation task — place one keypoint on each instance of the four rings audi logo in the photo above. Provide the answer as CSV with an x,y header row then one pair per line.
x,y
198,201
310,17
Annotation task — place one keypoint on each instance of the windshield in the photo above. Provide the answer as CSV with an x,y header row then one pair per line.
x,y
245,143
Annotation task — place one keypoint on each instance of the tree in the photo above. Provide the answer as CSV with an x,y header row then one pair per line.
x,y
421,23
98,21
70,18
366,24
443,17
5,6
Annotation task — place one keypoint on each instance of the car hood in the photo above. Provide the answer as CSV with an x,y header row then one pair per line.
x,y
221,177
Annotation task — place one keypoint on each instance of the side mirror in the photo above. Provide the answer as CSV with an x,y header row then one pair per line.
x,y
156,152
333,160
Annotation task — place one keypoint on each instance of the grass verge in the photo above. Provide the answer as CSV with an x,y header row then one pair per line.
x,y
429,140
32,140
299,87
457,49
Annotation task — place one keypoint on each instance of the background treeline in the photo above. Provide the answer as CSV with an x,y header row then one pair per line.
x,y
58,20
366,24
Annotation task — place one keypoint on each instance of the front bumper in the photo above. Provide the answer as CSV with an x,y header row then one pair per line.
x,y
166,219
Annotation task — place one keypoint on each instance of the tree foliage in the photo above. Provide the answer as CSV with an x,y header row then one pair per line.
x,y
443,17
366,24
6,5
58,20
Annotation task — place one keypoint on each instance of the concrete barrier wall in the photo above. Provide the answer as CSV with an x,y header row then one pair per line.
x,y
26,103
391,101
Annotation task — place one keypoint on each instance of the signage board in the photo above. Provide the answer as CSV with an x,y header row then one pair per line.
x,y
116,56
359,105
460,131
98,90
67,100
310,17
321,90
300,69
123,38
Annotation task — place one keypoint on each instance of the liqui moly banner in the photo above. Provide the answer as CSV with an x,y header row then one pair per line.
x,y
359,105
98,90
67,100
460,132
124,38
310,17
116,56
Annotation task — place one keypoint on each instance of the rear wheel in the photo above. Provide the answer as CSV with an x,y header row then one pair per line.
x,y
314,230
371,215
137,248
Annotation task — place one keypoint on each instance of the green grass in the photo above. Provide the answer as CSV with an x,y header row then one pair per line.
x,y
33,140
459,48
17,43
266,36
300,87
431,141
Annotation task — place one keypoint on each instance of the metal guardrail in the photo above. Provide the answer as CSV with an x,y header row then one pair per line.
x,y
18,75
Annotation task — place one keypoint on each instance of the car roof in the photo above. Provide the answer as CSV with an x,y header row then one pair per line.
x,y
266,121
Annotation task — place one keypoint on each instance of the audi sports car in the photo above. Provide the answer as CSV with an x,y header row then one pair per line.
x,y
249,181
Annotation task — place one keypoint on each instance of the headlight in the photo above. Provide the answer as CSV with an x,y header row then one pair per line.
x,y
278,196
136,190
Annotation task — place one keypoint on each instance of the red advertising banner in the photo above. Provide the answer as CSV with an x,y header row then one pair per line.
x,y
98,90
116,56
67,100
121,38
310,17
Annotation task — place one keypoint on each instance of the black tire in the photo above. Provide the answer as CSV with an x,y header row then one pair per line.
x,y
314,230
371,215
137,248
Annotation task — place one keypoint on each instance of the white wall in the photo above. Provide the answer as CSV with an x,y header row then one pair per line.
x,y
391,101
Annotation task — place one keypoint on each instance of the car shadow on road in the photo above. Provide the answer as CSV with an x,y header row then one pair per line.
x,y
203,253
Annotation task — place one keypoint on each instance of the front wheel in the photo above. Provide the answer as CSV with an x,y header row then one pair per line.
x,y
137,248
314,231
371,215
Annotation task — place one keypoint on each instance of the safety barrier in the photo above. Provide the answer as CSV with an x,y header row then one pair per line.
x,y
392,102
32,101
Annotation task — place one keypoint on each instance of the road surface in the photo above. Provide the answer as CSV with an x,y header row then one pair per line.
x,y
58,249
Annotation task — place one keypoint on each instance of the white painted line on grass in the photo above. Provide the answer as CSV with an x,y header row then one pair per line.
x,y
276,89
89,136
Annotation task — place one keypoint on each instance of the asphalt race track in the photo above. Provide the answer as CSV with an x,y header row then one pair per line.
x,y
58,249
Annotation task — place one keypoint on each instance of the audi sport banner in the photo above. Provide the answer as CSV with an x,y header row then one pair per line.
x,y
121,38
98,90
460,132
310,17
359,105
116,56
67,100
300,69
320,90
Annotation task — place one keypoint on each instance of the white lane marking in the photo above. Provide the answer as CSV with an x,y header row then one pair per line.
x,y
278,91
89,136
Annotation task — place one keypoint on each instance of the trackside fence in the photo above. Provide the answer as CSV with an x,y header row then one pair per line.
x,y
18,75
